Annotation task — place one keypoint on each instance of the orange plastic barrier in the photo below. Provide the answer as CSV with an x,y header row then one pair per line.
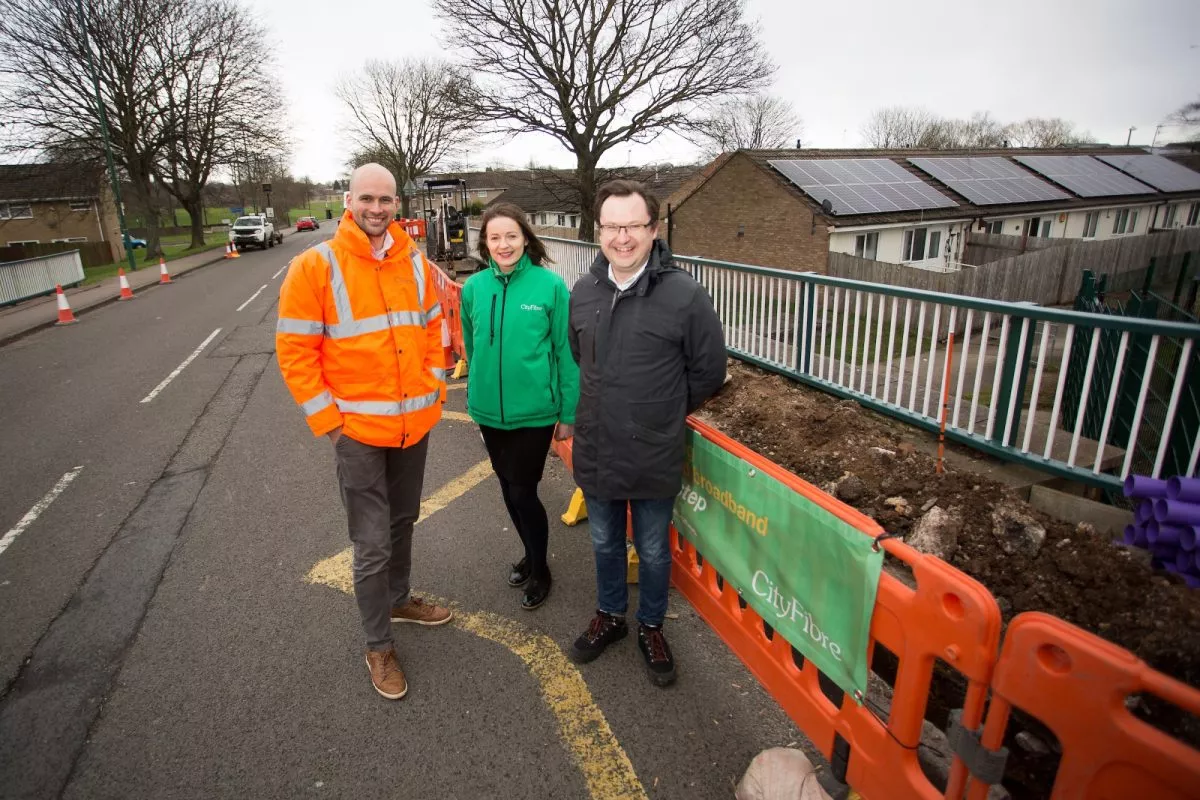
x,y
449,294
949,616
1076,683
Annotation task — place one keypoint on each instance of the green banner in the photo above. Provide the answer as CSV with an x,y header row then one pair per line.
x,y
810,575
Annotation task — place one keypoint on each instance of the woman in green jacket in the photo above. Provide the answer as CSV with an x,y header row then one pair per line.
x,y
523,383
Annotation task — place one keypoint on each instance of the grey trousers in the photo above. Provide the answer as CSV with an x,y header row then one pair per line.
x,y
381,491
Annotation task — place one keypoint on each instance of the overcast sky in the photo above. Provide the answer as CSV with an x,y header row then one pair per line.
x,y
1106,65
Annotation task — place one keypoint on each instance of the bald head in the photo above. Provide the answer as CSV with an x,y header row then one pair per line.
x,y
372,172
371,200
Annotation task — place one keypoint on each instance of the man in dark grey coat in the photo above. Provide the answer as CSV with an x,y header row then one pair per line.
x,y
650,351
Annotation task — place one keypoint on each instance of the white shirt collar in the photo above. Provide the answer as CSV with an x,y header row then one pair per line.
x,y
632,280
381,253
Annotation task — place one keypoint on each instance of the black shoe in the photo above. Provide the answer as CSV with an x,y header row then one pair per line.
x,y
536,594
657,654
520,573
603,631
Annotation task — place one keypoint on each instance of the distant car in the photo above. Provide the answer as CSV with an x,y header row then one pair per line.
x,y
307,224
136,243
254,230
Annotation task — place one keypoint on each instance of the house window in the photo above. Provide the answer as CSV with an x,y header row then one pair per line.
x,y
1089,224
1194,216
562,220
574,221
1132,228
996,226
914,244
69,240
935,243
543,219
1169,221
481,193
866,245
20,242
16,211
1036,226
81,205
1121,222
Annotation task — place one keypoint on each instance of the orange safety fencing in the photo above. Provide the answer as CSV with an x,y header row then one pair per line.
x,y
449,294
1077,684
1071,680
413,227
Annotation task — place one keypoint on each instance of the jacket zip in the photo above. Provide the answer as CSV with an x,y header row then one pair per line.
x,y
492,324
500,352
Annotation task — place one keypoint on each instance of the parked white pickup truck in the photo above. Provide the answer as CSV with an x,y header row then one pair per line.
x,y
254,230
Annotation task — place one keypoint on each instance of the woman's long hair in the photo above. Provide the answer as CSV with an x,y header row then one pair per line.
x,y
533,245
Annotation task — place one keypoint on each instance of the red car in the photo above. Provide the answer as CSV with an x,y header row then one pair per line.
x,y
307,224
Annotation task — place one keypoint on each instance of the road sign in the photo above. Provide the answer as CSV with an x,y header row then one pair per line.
x,y
270,212
237,211
267,188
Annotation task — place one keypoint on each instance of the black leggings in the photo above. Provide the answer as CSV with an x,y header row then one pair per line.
x,y
518,457
533,526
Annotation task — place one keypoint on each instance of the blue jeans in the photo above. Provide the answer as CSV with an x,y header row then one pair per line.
x,y
651,537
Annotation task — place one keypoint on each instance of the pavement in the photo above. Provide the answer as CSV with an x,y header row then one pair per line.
x,y
175,618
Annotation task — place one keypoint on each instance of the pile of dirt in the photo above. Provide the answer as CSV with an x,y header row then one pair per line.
x,y
1029,561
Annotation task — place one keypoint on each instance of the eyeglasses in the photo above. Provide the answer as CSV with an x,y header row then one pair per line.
x,y
632,230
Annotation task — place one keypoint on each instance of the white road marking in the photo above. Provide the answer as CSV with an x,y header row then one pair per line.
x,y
182,366
281,269
251,300
38,508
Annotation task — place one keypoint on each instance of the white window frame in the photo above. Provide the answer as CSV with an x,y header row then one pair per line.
x,y
995,227
562,221
80,205
1171,215
866,245
910,239
574,220
23,241
543,222
69,240
1090,222
1193,218
1121,222
933,244
10,211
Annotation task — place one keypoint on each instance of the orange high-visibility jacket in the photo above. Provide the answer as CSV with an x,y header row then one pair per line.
x,y
359,340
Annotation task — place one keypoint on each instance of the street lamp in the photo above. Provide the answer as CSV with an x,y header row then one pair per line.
x,y
1129,137
112,170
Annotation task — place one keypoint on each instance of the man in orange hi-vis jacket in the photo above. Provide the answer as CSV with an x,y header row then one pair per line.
x,y
359,341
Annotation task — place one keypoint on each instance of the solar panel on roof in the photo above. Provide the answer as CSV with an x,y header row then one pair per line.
x,y
1084,175
989,180
862,185
1161,173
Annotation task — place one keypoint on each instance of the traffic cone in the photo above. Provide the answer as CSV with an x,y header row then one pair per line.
x,y
228,248
163,275
236,254
126,292
65,317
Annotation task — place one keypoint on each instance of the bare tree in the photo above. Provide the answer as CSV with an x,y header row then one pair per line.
x,y
1045,132
1187,116
596,75
899,126
47,96
757,122
220,101
407,115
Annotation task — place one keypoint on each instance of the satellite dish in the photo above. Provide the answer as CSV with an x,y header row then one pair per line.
x,y
827,206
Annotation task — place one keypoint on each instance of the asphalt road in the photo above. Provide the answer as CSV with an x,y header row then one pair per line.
x,y
173,623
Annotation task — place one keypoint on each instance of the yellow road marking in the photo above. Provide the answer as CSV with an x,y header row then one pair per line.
x,y
457,416
593,747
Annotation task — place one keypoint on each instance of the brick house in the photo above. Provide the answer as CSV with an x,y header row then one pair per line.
x,y
53,203
745,209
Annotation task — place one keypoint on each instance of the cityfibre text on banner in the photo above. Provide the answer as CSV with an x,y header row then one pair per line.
x,y
812,576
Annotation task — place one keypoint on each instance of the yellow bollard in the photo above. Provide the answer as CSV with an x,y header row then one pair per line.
x,y
631,563
576,509
460,369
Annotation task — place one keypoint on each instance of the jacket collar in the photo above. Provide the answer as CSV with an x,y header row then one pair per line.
x,y
523,264
660,261
352,238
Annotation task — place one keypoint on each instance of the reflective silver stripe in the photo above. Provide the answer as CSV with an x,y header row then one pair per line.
x,y
337,283
393,319
318,403
419,274
305,327
388,408
433,313
439,373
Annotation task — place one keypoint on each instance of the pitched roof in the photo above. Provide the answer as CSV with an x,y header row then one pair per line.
x,y
32,182
556,190
963,208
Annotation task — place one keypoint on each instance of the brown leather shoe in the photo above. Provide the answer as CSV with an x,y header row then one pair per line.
x,y
386,675
418,611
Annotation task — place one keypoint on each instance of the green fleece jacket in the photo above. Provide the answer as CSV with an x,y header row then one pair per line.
x,y
521,373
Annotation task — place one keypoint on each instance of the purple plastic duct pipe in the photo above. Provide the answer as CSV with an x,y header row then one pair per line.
x,y
1192,580
1164,552
1144,486
1135,536
1177,511
1185,489
1184,561
1166,533
1144,512
1187,540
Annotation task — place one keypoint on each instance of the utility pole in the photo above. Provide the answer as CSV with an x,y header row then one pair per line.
x,y
1129,138
108,155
